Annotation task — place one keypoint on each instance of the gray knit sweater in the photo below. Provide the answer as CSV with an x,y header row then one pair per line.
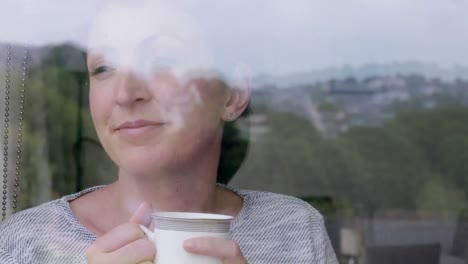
x,y
271,228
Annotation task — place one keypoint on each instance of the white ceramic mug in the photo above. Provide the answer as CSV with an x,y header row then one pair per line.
x,y
171,229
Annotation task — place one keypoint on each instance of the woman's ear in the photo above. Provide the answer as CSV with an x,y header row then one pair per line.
x,y
238,94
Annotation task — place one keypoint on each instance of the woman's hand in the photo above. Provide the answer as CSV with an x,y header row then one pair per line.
x,y
226,250
125,244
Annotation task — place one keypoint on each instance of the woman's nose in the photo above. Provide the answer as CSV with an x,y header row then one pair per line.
x,y
131,88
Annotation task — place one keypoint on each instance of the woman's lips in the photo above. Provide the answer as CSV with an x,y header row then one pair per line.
x,y
138,127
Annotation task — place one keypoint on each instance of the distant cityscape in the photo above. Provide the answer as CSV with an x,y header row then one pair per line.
x,y
335,105
428,70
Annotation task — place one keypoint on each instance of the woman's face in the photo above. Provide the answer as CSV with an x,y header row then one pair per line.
x,y
152,101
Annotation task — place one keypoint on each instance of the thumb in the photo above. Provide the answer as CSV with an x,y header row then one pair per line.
x,y
142,214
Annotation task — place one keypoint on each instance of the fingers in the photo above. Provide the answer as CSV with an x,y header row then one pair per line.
x,y
127,243
227,250
142,214
141,250
125,233
138,251
117,238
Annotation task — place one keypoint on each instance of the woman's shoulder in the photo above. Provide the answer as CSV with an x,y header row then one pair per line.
x,y
278,228
47,233
22,231
53,215
24,222
275,203
266,209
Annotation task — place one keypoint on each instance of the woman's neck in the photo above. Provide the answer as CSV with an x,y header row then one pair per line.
x,y
191,191
177,192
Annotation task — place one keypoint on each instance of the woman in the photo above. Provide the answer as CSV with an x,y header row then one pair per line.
x,y
159,109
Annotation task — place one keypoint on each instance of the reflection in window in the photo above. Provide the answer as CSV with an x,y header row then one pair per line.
x,y
379,145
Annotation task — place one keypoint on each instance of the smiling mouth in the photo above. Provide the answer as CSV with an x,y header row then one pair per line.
x,y
138,124
139,127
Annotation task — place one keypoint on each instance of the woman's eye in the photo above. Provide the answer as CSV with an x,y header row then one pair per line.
x,y
100,70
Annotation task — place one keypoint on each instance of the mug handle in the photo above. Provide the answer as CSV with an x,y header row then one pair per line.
x,y
147,232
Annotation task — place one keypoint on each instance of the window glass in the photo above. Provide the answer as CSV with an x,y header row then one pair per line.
x,y
358,107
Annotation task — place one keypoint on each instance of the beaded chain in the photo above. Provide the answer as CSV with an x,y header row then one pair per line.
x,y
6,130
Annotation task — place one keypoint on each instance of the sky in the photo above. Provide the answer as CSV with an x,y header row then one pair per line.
x,y
280,36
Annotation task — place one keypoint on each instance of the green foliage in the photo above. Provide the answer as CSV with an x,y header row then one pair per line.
x,y
411,162
389,165
439,197
49,133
